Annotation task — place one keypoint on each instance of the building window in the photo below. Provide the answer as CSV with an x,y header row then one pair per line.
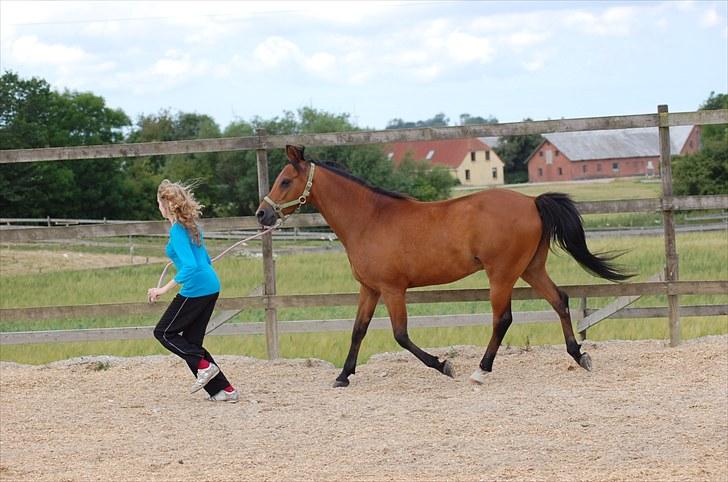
x,y
430,154
487,154
599,167
557,152
494,171
560,172
540,172
472,156
615,166
467,174
549,157
540,153
583,168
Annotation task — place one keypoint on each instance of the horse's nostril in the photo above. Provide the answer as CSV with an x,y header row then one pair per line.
x,y
260,214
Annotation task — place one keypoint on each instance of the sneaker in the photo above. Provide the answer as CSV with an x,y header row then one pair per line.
x,y
223,396
204,376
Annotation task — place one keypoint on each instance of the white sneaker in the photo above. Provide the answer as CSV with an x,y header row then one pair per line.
x,y
223,396
204,376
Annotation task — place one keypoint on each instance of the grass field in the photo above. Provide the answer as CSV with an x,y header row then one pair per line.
x,y
702,256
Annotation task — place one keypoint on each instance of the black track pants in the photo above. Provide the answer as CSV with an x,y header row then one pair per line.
x,y
182,329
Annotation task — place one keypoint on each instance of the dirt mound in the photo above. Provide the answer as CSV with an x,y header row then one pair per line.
x,y
646,412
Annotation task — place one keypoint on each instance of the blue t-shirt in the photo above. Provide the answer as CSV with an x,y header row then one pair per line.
x,y
193,264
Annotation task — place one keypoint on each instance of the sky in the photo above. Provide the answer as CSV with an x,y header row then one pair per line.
x,y
375,60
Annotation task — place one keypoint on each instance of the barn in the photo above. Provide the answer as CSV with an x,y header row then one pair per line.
x,y
471,161
568,156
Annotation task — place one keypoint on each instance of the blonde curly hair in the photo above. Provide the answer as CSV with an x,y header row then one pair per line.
x,y
182,205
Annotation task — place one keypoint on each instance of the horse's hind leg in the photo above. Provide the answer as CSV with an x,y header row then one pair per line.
x,y
368,299
536,276
397,308
500,299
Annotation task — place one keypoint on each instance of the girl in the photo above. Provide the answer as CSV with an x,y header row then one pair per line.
x,y
182,327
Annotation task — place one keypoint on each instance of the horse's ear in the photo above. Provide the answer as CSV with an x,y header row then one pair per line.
x,y
295,155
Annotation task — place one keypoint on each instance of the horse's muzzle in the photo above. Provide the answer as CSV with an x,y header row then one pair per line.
x,y
266,216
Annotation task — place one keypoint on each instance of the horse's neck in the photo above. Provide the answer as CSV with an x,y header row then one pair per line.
x,y
346,205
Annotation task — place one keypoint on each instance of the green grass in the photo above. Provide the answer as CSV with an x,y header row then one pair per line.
x,y
629,188
702,256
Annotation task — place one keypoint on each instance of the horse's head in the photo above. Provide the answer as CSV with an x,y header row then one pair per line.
x,y
290,189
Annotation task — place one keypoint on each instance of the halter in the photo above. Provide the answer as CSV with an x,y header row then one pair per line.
x,y
278,208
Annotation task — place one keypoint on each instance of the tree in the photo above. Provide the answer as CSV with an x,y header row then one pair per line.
x,y
145,173
514,151
32,115
439,120
705,172
467,119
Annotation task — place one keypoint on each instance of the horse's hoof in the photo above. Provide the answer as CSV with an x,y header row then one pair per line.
x,y
585,362
447,369
478,377
341,383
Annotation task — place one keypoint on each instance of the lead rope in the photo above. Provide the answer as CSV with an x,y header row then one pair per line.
x,y
257,235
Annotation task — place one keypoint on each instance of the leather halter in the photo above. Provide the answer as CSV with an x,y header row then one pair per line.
x,y
300,201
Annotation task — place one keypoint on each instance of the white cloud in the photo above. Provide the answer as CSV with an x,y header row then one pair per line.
x,y
465,48
616,21
29,50
711,18
321,64
275,51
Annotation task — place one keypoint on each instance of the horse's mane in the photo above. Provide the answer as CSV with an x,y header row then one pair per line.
x,y
340,170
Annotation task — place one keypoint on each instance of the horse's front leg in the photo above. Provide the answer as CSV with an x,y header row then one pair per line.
x,y
397,307
368,299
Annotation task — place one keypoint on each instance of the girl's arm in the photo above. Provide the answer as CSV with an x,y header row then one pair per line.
x,y
153,294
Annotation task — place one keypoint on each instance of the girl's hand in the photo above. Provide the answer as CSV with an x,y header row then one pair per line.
x,y
153,294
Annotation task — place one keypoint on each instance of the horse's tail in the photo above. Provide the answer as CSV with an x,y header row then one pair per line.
x,y
562,223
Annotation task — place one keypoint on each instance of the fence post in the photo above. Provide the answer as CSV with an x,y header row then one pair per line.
x,y
269,271
668,221
582,308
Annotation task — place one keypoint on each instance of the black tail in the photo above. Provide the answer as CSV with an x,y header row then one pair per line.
x,y
562,223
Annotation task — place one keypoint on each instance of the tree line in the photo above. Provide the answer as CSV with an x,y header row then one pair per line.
x,y
33,115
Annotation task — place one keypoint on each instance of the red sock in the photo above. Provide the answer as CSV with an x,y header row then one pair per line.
x,y
229,389
203,364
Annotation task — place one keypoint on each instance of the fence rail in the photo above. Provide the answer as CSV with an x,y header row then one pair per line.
x,y
141,228
309,326
262,142
347,299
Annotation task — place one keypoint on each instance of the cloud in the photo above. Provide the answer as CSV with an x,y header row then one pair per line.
x,y
275,51
616,21
29,50
711,18
465,48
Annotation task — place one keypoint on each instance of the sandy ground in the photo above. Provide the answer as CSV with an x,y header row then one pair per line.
x,y
646,412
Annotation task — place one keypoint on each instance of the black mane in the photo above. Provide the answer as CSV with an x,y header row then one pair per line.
x,y
337,168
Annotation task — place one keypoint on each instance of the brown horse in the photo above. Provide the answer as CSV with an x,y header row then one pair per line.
x,y
395,242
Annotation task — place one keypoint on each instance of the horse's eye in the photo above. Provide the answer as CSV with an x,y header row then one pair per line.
x,y
285,182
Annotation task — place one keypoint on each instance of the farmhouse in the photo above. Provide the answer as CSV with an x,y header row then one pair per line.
x,y
471,161
567,156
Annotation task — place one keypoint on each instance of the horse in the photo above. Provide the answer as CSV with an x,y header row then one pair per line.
x,y
395,242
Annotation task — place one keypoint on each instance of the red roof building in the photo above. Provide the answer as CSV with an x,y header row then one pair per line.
x,y
471,161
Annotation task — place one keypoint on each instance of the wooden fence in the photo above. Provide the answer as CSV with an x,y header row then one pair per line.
x,y
270,302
